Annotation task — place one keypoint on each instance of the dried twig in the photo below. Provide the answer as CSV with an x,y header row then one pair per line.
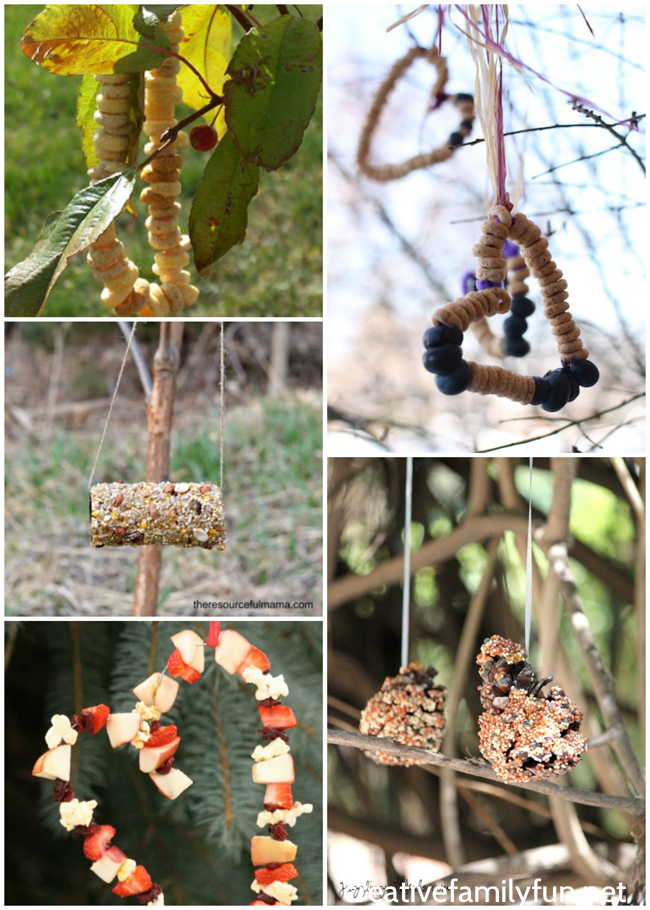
x,y
477,768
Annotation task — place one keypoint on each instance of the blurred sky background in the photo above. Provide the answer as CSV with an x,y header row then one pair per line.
x,y
379,299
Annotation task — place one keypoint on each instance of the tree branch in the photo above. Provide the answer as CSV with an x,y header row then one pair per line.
x,y
478,768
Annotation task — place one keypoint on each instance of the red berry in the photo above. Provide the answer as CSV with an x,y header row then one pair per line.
x,y
203,138
95,718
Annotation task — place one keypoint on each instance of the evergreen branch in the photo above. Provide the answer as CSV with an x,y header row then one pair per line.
x,y
225,766
152,649
476,768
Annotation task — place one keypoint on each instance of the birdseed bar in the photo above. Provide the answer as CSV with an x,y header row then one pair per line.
x,y
138,514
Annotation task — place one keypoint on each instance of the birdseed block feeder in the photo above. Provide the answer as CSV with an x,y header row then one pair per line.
x,y
138,514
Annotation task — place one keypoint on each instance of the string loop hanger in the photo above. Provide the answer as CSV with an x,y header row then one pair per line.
x,y
185,515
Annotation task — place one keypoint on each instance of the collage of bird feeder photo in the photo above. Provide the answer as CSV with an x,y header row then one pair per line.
x,y
324,446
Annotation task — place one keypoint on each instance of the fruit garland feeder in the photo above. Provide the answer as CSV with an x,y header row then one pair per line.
x,y
273,767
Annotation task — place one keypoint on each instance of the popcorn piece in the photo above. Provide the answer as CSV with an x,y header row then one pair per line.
x,y
283,892
287,816
142,736
127,869
148,712
157,901
272,750
267,686
76,812
60,731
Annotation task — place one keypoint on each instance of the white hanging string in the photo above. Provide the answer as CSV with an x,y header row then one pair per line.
x,y
406,591
529,559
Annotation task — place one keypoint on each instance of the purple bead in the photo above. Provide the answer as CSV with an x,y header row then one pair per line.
x,y
484,285
510,250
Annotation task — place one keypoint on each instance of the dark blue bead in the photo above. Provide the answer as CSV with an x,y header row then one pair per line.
x,y
461,96
456,139
559,393
514,326
442,334
515,347
585,372
573,383
443,360
542,389
522,306
456,382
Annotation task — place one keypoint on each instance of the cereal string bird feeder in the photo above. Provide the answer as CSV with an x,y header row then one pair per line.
x,y
157,511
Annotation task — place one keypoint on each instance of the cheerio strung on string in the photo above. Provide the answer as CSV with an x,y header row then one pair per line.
x,y
524,733
443,352
168,514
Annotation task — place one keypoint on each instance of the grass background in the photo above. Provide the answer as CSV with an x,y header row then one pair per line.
x,y
277,271
56,405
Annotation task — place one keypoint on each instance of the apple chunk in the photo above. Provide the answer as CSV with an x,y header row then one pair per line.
x,y
54,764
190,647
173,784
122,728
106,867
155,756
266,850
231,650
274,771
157,690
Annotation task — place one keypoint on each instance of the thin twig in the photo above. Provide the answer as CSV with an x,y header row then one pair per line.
x,y
240,17
567,424
138,356
481,769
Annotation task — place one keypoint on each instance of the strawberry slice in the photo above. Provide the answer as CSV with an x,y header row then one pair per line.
x,y
279,717
274,872
95,844
254,658
278,796
177,667
162,736
136,883
95,718
213,634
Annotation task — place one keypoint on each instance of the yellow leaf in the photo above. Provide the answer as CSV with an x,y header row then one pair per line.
x,y
207,45
83,38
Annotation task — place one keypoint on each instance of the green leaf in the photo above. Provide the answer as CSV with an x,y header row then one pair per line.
x,y
276,73
86,107
88,38
219,216
207,45
29,283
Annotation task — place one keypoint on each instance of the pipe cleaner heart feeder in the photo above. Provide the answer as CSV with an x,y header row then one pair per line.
x,y
157,744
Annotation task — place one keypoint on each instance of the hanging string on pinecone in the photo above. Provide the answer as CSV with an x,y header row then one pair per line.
x,y
409,709
526,735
